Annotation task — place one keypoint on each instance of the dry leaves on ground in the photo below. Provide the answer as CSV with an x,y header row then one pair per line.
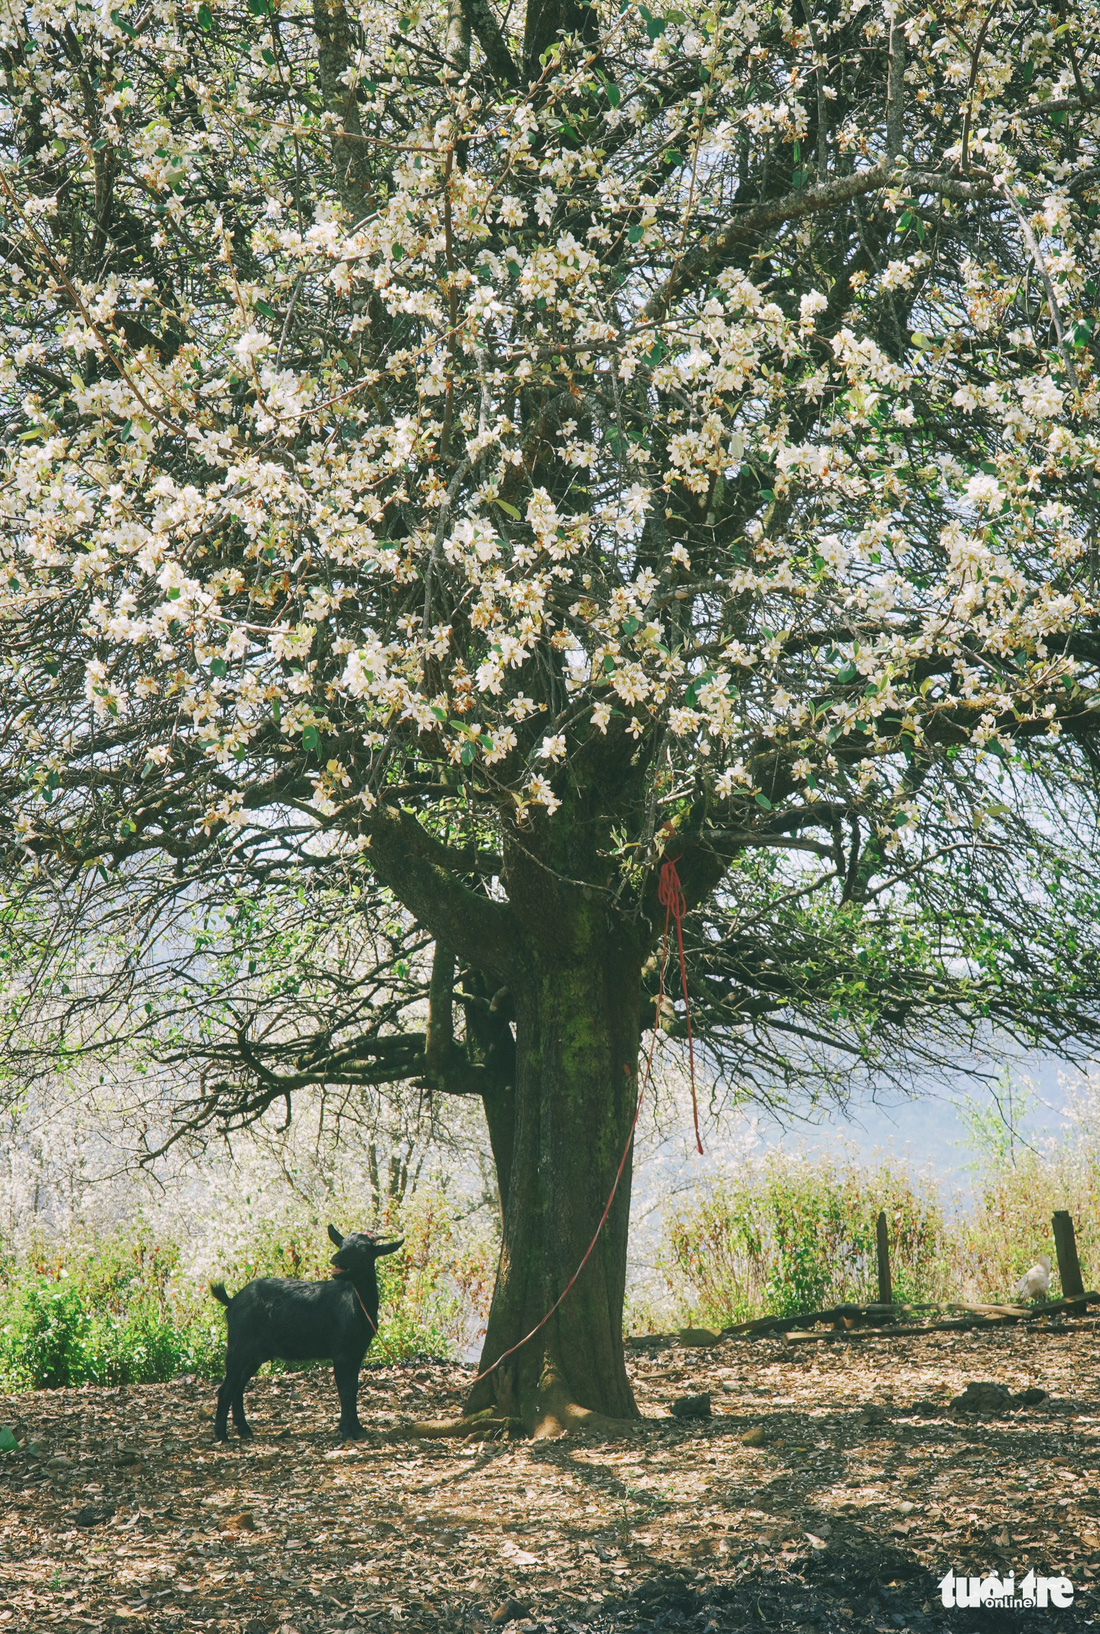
x,y
813,1499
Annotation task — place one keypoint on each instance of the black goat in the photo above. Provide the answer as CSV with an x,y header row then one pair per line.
x,y
303,1322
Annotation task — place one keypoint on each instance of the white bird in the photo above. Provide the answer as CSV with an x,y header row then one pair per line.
x,y
1035,1284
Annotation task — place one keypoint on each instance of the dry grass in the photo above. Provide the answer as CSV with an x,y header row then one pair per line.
x,y
842,1518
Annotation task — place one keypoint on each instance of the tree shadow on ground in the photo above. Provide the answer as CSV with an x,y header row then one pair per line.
x,y
863,1591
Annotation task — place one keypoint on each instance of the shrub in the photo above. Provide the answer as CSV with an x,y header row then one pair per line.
x,y
121,1309
1010,1224
42,1337
794,1236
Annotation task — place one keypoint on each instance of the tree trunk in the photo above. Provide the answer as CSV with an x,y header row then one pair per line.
x,y
577,1034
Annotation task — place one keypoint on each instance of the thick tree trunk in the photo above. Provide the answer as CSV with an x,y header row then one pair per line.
x,y
577,1034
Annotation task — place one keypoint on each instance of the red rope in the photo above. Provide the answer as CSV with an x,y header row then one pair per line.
x,y
366,1313
670,895
587,1253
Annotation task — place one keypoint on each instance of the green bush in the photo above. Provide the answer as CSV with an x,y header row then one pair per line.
x,y
1010,1223
120,1310
62,1331
794,1236
42,1338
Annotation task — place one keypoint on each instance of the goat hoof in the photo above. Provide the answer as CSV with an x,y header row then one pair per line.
x,y
356,1433
244,1435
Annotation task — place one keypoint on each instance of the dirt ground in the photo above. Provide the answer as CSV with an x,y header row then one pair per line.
x,y
840,1512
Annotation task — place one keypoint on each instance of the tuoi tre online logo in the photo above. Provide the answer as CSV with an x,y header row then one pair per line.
x,y
993,1590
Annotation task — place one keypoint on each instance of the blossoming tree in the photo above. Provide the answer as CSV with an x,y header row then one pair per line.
x,y
525,454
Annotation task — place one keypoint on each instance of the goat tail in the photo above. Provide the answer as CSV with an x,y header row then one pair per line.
x,y
218,1290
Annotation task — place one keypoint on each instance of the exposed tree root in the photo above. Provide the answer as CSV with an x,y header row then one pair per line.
x,y
488,1425
543,1413
553,1412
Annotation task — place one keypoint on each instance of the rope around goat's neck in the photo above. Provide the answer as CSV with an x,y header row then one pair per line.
x,y
366,1313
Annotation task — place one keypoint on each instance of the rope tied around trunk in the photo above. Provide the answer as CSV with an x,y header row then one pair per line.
x,y
670,894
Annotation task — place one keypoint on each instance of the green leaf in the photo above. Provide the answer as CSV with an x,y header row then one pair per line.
x,y
120,22
614,96
268,311
635,233
125,430
260,8
763,802
397,252
468,752
631,625
509,510
846,675
217,666
311,739
905,220
173,594
206,21
8,1443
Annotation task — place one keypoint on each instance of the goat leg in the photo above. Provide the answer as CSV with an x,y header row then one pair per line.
x,y
346,1373
231,1395
221,1428
244,1429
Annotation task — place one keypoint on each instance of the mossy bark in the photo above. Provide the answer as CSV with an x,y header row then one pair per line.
x,y
577,1014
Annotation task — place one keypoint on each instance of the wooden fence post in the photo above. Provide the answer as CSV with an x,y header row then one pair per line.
x,y
885,1288
1069,1268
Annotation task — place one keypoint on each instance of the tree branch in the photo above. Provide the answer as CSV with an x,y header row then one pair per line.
x,y
417,869
720,245
480,17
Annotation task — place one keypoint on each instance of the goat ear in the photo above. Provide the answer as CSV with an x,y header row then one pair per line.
x,y
335,1237
388,1248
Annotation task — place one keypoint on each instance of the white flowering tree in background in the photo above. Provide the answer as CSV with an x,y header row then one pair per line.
x,y
462,465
